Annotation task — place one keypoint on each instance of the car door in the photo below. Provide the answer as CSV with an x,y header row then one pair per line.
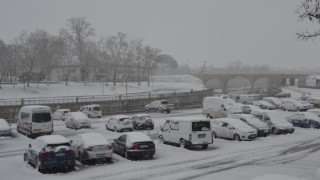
x,y
226,131
218,129
174,135
121,144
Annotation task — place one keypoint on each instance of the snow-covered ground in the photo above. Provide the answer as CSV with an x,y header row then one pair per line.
x,y
158,84
278,157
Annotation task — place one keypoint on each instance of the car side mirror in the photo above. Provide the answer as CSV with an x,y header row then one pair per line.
x,y
30,145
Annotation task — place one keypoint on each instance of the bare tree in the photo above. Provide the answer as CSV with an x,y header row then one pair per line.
x,y
117,46
309,10
105,56
150,55
80,31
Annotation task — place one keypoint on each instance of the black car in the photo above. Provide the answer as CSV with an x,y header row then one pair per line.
x,y
50,153
134,145
142,122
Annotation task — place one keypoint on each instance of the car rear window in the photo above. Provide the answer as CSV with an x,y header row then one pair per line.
x,y
41,117
201,126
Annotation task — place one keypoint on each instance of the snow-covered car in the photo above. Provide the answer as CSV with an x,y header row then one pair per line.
x,y
77,120
276,121
261,127
159,106
91,147
5,129
232,128
92,110
60,114
294,105
186,132
50,153
314,111
119,123
264,105
134,145
246,108
273,100
142,122
304,119
314,100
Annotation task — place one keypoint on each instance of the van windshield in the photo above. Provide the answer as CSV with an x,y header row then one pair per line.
x,y
41,117
96,108
201,126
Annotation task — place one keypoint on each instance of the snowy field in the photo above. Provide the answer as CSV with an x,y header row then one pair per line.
x,y
277,157
161,84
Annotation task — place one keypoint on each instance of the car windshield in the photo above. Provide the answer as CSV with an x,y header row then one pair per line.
x,y
145,117
41,117
57,147
201,126
96,108
165,102
123,119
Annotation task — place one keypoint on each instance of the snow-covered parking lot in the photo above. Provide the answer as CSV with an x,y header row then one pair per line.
x,y
291,156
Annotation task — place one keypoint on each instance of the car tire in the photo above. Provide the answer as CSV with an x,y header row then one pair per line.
x,y
275,131
38,166
182,143
209,116
161,140
236,137
168,111
312,125
204,146
25,158
147,110
115,129
107,128
214,135
160,110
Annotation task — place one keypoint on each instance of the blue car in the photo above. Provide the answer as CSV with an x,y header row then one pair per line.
x,y
50,153
305,120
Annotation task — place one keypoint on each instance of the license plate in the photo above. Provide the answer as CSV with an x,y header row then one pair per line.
x,y
201,135
60,154
144,146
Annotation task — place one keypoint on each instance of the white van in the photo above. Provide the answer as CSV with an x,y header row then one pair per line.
x,y
35,120
218,107
186,132
92,111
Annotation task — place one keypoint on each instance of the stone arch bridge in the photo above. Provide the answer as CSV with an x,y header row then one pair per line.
x,y
274,80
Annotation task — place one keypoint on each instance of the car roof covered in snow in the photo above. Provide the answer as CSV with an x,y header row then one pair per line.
x,y
237,123
309,115
137,137
78,115
31,107
140,115
314,110
189,119
93,139
120,117
52,139
4,124
63,109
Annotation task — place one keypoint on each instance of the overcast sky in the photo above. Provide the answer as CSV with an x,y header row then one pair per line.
x,y
218,31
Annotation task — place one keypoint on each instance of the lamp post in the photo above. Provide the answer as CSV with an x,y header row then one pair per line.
x,y
126,76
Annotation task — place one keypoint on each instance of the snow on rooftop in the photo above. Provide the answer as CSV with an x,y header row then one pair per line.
x,y
93,139
120,117
137,137
4,125
53,139
78,115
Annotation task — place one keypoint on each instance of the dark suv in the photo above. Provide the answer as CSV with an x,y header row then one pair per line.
x,y
50,153
142,122
159,106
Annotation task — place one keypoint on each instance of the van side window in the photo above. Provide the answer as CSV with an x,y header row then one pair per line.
x,y
25,115
174,126
165,126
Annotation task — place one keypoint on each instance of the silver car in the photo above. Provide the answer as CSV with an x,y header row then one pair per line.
x,y
92,148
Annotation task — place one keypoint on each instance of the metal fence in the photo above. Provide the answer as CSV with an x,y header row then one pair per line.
x,y
110,104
